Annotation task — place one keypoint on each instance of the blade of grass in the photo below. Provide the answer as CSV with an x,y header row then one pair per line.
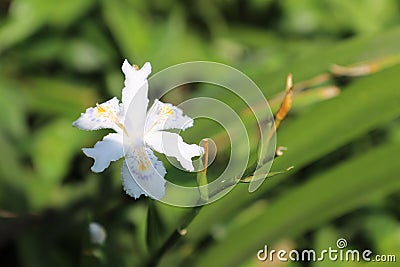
x,y
350,116
296,212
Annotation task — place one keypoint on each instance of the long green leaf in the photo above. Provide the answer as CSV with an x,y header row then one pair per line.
x,y
349,186
363,106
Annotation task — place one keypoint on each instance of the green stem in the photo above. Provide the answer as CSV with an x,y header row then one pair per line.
x,y
173,238
181,231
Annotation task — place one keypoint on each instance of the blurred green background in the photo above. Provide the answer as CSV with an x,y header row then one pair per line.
x,y
59,57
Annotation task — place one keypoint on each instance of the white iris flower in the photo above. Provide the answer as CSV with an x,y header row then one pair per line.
x,y
138,132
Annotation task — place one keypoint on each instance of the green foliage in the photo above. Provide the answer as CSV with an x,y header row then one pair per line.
x,y
59,57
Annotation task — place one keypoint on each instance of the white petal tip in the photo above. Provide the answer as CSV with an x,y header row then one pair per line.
x,y
126,66
77,124
147,66
105,151
191,169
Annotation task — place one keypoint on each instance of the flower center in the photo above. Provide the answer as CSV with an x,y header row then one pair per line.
x,y
143,160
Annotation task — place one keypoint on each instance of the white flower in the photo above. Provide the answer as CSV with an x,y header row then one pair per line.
x,y
97,233
138,132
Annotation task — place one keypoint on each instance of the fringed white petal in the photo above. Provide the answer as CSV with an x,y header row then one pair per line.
x,y
103,116
164,116
105,151
129,184
172,145
143,174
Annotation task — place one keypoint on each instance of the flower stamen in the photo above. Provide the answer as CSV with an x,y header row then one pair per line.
x,y
100,109
143,161
107,112
166,111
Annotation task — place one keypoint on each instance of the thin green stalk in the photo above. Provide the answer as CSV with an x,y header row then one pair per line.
x,y
173,238
181,230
